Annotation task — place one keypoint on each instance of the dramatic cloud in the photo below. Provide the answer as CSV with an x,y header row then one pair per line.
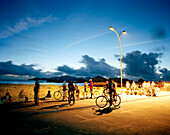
x,y
24,24
141,64
138,65
165,74
10,70
92,68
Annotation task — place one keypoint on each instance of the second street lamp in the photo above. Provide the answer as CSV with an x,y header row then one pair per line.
x,y
118,35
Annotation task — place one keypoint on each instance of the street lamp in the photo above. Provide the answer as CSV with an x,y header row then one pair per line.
x,y
118,35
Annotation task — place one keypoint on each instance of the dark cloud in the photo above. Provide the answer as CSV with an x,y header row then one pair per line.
x,y
9,70
138,65
141,64
92,68
158,33
165,74
160,48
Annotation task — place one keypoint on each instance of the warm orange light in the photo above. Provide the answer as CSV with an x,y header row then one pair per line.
x,y
111,28
124,32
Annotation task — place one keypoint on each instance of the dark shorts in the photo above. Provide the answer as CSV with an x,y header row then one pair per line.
x,y
77,91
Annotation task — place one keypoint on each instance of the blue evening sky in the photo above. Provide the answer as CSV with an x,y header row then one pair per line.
x,y
53,33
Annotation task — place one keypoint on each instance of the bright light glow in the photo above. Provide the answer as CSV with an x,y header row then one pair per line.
x,y
111,28
124,32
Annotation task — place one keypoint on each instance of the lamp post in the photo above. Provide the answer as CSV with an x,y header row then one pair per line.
x,y
118,35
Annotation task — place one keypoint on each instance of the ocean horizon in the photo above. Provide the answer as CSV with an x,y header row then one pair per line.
x,y
42,82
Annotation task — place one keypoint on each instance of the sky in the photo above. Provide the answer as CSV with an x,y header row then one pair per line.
x,y
45,38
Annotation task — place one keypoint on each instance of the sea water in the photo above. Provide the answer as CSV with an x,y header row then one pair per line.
x,y
33,82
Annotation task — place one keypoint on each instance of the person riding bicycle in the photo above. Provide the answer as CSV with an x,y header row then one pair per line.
x,y
71,89
112,90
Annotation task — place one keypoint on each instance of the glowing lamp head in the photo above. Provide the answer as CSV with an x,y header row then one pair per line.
x,y
111,28
124,32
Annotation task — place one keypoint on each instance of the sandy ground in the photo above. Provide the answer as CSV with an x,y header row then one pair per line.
x,y
136,115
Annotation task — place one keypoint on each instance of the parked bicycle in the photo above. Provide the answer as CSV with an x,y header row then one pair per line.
x,y
87,94
58,94
103,100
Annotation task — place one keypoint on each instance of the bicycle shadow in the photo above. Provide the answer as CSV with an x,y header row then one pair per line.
x,y
55,106
105,110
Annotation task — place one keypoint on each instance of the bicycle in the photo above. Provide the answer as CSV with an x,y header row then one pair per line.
x,y
58,94
88,93
103,100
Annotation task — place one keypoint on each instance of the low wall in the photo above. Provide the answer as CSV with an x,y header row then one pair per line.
x,y
15,89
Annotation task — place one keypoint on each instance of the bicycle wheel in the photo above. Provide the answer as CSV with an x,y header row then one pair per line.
x,y
101,101
96,94
117,100
57,95
71,100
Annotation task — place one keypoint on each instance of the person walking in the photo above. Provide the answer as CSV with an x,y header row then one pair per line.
x,y
36,92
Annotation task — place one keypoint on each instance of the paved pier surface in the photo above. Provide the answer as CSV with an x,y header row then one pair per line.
x,y
136,115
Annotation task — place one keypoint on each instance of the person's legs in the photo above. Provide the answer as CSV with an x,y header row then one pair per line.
x,y
114,93
91,91
36,98
111,98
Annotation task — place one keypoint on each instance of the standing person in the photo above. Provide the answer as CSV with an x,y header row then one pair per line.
x,y
71,89
91,87
127,87
85,90
77,91
64,90
153,92
112,90
144,87
153,84
133,87
36,92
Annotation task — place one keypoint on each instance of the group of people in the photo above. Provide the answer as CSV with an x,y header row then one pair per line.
x,y
146,88
9,99
74,88
110,86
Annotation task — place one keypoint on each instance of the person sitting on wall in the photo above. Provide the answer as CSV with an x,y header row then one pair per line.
x,y
8,98
48,95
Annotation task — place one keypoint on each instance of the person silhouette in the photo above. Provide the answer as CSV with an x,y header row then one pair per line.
x,y
36,92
